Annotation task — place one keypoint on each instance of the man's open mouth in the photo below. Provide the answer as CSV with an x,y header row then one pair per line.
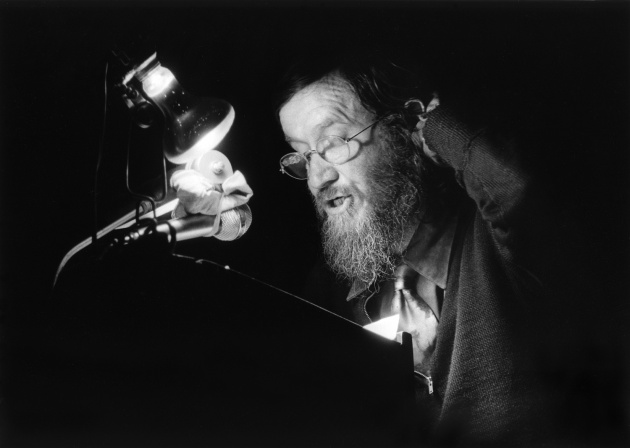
x,y
336,202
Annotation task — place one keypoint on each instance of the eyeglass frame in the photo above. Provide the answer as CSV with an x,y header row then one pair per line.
x,y
311,151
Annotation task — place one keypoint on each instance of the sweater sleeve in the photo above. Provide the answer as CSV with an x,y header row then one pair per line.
x,y
487,165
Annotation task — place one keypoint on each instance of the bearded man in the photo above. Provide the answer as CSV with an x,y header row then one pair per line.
x,y
464,272
430,215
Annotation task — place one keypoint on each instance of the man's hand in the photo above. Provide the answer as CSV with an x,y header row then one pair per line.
x,y
197,195
416,107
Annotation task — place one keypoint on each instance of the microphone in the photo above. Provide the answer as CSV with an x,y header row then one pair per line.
x,y
234,223
228,226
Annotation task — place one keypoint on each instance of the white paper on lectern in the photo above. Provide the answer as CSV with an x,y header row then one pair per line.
x,y
386,327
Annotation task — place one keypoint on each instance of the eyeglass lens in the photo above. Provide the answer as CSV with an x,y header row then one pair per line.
x,y
332,149
295,165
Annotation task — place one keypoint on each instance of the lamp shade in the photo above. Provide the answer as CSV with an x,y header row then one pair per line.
x,y
192,126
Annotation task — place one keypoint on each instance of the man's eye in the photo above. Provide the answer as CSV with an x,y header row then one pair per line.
x,y
326,143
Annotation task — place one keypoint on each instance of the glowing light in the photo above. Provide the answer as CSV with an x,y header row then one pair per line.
x,y
386,327
157,81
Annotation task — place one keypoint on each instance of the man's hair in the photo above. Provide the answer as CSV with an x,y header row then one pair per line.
x,y
383,82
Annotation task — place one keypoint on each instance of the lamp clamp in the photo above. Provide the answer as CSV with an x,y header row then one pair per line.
x,y
130,89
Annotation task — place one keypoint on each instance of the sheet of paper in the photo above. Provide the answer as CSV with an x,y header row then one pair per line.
x,y
386,327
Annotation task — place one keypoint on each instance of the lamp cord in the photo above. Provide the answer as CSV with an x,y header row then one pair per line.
x,y
99,157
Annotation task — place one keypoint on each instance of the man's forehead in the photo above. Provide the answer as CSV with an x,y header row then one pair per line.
x,y
328,100
336,86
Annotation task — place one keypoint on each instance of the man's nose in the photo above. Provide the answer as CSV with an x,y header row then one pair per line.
x,y
320,173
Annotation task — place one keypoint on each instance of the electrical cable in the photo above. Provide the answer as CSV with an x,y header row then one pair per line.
x,y
99,157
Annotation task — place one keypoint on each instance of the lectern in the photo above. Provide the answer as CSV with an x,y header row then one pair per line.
x,y
154,349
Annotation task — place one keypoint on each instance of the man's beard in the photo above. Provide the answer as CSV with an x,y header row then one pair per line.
x,y
367,248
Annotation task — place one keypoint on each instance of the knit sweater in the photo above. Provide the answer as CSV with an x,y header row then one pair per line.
x,y
488,367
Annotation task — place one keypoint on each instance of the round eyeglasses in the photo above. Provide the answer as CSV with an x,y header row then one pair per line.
x,y
333,149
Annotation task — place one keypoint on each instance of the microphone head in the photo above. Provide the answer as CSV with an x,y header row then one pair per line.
x,y
234,223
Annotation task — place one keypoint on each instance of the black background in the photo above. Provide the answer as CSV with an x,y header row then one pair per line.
x,y
567,62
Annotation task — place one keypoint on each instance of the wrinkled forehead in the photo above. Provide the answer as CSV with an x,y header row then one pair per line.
x,y
331,99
